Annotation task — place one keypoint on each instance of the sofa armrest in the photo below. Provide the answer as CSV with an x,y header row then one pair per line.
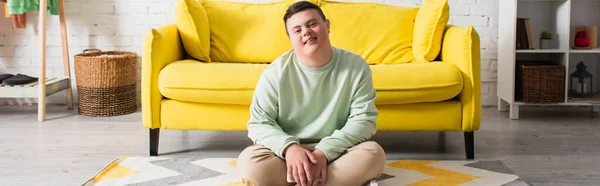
x,y
161,46
460,46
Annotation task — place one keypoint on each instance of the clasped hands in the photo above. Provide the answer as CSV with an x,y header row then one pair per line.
x,y
305,168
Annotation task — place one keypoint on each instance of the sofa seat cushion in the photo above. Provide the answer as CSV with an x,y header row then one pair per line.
x,y
234,83
215,82
416,82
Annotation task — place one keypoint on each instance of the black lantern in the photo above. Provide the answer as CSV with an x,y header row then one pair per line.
x,y
581,82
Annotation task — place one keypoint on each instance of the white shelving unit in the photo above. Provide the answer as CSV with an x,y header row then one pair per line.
x,y
45,86
559,17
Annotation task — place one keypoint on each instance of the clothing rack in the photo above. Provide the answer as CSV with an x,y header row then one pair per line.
x,y
45,86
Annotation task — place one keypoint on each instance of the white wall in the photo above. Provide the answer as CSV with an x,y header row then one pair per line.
x,y
121,24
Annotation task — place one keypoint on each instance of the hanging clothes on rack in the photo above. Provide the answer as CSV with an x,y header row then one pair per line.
x,y
44,86
23,6
6,13
19,20
18,9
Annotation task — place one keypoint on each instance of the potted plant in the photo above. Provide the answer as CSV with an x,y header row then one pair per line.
x,y
545,39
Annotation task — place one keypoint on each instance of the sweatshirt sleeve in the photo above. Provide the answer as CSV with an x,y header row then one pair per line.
x,y
361,123
262,126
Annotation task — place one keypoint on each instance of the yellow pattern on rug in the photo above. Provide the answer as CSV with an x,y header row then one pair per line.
x,y
223,172
441,176
114,170
234,163
237,183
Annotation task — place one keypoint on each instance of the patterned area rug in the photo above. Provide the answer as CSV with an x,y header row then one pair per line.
x,y
182,171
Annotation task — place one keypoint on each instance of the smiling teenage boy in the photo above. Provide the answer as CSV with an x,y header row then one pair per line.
x,y
313,112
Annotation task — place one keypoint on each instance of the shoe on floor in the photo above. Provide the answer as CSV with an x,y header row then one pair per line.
x,y
19,79
372,183
4,76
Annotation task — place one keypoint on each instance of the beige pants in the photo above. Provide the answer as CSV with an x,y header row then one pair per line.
x,y
259,166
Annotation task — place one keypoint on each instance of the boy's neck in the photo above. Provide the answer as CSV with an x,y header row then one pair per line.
x,y
321,58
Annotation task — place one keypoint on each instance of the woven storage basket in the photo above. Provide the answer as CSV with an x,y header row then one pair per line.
x,y
106,82
540,82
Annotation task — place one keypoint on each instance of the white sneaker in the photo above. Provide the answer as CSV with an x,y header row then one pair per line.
x,y
372,183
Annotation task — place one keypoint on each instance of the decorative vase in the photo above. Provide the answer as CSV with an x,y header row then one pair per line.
x,y
545,43
582,39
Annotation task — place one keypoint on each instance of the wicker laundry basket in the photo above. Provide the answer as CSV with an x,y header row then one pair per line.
x,y
106,82
540,82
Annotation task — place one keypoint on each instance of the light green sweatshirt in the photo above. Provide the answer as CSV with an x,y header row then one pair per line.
x,y
332,105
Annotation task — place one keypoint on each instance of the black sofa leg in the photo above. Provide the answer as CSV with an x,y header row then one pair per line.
x,y
470,145
154,133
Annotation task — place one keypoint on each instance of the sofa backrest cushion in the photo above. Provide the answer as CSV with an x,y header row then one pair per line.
x,y
429,29
192,23
380,33
247,32
232,31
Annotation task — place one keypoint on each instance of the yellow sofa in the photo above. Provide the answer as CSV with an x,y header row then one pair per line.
x,y
199,73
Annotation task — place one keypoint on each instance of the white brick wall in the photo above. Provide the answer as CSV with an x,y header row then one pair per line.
x,y
121,24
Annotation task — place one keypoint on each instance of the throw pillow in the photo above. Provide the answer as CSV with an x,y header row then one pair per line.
x,y
192,21
430,23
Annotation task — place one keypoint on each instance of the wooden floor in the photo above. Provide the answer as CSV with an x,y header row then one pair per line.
x,y
556,146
